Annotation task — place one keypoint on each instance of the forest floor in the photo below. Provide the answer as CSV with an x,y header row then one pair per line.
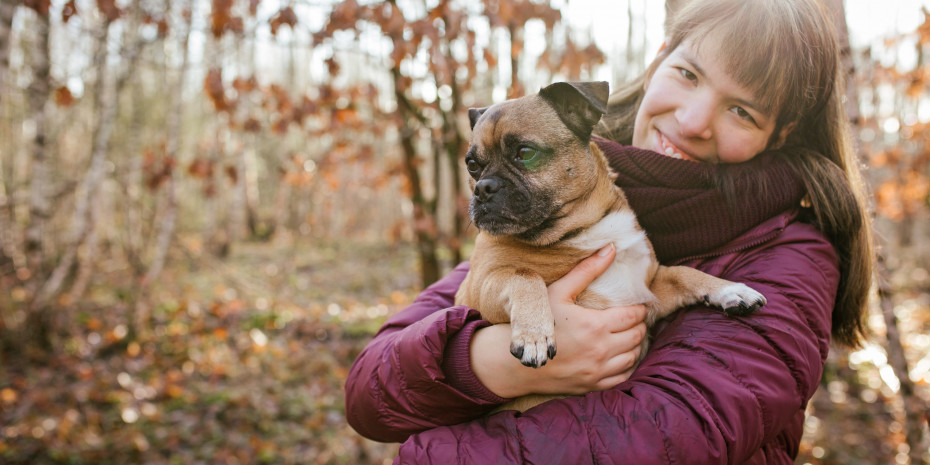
x,y
244,361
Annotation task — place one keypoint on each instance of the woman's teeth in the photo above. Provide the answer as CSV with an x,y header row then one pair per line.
x,y
672,153
670,149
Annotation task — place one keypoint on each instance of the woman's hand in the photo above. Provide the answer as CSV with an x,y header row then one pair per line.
x,y
596,349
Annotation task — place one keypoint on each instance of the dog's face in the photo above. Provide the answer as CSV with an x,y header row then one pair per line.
x,y
530,158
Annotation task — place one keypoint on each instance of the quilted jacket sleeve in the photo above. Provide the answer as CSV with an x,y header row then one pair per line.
x,y
415,374
712,389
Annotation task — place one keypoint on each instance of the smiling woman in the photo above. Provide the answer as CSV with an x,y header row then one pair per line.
x,y
789,223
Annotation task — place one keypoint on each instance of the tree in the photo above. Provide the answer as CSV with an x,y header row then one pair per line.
x,y
436,48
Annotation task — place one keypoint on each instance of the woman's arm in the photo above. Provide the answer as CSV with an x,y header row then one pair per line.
x,y
398,386
713,389
419,371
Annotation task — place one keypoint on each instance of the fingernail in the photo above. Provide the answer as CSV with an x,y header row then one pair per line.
x,y
606,250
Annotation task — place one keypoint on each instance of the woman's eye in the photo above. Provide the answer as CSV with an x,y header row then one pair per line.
x,y
687,74
744,114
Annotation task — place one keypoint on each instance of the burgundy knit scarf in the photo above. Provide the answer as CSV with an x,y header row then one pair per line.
x,y
685,207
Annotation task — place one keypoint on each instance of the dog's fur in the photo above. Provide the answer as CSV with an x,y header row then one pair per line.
x,y
539,219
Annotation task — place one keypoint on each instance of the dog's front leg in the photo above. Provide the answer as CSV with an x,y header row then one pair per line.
x,y
679,286
532,327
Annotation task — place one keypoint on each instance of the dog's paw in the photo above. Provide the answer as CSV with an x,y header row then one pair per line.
x,y
736,299
533,346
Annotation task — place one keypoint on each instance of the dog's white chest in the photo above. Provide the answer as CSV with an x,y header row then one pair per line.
x,y
626,282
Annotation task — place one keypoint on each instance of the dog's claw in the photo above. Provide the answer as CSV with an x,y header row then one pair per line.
x,y
733,300
533,351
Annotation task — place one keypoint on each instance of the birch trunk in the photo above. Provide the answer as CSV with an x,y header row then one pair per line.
x,y
39,204
7,12
106,108
9,252
173,124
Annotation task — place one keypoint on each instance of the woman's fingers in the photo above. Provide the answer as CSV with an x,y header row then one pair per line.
x,y
584,273
619,319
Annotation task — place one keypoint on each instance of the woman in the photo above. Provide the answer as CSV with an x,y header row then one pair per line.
x,y
733,152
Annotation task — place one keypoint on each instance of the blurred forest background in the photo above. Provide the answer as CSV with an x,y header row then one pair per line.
x,y
207,207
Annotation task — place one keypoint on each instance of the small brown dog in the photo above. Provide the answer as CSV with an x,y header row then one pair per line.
x,y
545,199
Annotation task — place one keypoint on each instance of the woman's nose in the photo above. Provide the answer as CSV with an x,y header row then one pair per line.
x,y
695,118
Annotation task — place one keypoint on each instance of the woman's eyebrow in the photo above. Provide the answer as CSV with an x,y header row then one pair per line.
x,y
693,62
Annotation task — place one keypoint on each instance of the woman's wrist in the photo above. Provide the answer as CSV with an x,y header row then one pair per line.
x,y
499,371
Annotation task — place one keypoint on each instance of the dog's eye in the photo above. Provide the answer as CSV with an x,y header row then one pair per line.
x,y
532,158
528,154
472,165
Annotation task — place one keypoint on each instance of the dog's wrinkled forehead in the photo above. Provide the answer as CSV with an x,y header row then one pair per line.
x,y
528,118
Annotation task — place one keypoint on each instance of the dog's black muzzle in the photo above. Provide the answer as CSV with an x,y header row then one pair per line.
x,y
486,188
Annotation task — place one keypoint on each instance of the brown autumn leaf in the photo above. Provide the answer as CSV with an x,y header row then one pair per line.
x,y
109,9
243,85
213,86
878,159
490,59
40,6
391,20
344,15
201,168
232,173
280,126
345,116
63,97
332,66
69,10
924,29
221,17
252,125
887,201
284,17
916,87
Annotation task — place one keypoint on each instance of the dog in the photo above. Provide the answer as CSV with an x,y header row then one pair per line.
x,y
544,199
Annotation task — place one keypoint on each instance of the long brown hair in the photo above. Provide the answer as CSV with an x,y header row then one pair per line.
x,y
786,52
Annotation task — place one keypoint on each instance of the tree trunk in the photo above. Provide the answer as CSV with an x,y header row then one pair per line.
x,y
39,205
36,329
105,106
9,250
7,12
913,407
132,47
455,146
424,225
168,221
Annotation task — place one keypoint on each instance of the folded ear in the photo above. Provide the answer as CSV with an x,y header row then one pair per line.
x,y
579,105
474,114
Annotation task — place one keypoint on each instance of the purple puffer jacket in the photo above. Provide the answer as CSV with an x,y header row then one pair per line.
x,y
712,389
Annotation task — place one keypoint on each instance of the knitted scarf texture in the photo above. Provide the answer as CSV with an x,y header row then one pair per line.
x,y
690,209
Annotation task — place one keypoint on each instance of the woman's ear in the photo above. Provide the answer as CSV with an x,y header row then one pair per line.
x,y
783,134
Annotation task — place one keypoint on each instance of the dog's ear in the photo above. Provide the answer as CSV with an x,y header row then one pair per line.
x,y
474,114
579,105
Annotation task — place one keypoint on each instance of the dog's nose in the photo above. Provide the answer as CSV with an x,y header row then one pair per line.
x,y
486,188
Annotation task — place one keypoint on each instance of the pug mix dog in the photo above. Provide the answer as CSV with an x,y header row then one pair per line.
x,y
544,199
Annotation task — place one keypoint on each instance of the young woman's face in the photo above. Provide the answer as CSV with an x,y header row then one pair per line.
x,y
693,110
